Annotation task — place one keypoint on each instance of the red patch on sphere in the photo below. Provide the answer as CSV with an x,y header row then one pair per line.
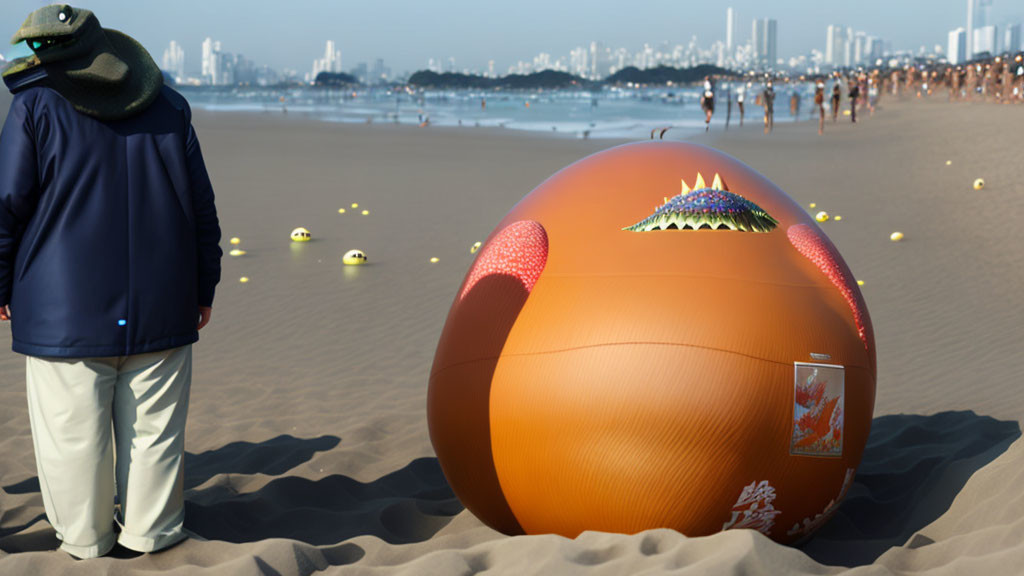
x,y
520,250
818,249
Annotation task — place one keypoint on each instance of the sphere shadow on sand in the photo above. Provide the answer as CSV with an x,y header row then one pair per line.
x,y
408,505
913,468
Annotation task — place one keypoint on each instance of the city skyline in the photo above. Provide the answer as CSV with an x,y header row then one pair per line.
x,y
407,35
843,47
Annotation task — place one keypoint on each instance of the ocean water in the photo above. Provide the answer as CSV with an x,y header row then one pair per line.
x,y
608,113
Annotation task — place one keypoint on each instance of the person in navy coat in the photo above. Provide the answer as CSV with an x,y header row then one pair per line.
x,y
109,257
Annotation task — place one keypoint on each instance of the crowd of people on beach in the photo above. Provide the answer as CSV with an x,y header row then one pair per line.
x,y
997,79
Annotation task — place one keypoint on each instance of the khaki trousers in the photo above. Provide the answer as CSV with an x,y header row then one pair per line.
x,y
82,411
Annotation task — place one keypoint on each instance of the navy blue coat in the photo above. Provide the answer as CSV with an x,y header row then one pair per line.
x,y
108,230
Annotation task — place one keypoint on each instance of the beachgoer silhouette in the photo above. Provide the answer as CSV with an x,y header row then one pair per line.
x,y
768,100
740,94
819,101
707,101
854,94
835,99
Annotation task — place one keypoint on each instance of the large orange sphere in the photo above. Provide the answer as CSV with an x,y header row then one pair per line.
x,y
637,347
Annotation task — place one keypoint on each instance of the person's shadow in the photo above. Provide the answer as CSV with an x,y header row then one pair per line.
x,y
408,505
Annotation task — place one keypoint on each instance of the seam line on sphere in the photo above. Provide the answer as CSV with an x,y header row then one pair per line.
x,y
694,276
574,348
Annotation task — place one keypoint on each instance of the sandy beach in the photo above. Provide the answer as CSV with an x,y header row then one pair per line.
x,y
307,438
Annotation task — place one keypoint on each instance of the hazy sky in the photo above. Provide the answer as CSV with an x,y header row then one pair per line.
x,y
405,33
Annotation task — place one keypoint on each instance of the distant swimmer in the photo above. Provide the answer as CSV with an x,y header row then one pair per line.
x,y
794,104
707,102
483,103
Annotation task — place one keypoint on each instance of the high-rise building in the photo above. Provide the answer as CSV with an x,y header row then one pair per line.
x,y
174,60
848,48
985,39
1011,38
578,62
331,62
379,73
730,29
872,50
598,64
243,71
361,73
860,40
956,51
970,31
771,39
756,40
217,67
983,13
764,41
835,45
211,51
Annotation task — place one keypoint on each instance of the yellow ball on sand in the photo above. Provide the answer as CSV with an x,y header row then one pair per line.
x,y
813,205
301,235
860,282
354,258
236,241
838,218
243,279
896,236
434,260
366,212
949,162
341,210
821,216
237,252
475,247
979,184
355,205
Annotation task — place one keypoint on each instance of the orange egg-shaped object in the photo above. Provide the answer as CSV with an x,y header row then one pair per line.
x,y
657,336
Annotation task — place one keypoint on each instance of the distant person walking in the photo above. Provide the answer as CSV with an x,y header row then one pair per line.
x,y
872,94
835,99
768,99
854,95
740,94
707,102
819,101
728,105
794,104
